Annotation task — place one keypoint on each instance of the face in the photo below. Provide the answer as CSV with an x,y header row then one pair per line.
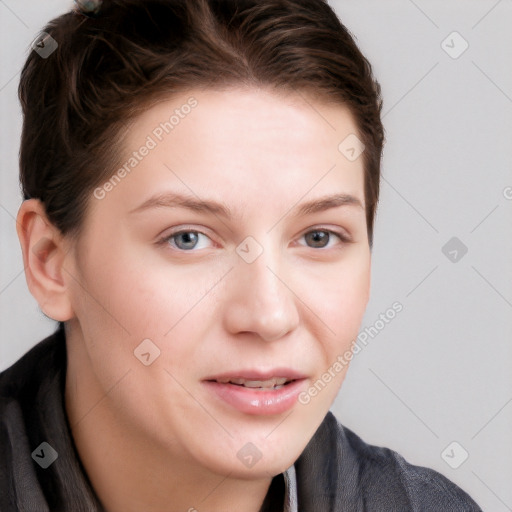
x,y
213,284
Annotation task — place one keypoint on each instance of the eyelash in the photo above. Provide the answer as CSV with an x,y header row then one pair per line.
x,y
166,239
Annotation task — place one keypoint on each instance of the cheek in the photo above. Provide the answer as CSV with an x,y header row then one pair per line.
x,y
137,301
119,289
165,299
341,303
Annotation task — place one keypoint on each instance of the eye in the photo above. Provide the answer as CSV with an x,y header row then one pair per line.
x,y
188,239
184,240
320,238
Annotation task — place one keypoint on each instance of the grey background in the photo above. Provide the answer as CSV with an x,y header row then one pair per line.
x,y
439,372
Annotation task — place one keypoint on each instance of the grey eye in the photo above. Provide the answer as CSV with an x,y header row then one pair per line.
x,y
318,238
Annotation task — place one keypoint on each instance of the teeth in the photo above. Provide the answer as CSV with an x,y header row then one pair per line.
x,y
276,382
270,383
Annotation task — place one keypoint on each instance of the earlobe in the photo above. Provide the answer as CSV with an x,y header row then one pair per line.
x,y
44,251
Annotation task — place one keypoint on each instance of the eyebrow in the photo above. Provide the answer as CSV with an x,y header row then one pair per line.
x,y
175,200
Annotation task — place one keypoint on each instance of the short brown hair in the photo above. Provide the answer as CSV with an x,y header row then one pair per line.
x,y
109,66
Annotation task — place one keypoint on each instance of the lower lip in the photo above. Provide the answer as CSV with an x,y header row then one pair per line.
x,y
255,401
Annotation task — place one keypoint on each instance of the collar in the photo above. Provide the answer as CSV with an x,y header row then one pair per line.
x,y
290,490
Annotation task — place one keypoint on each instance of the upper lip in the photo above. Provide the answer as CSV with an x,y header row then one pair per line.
x,y
251,374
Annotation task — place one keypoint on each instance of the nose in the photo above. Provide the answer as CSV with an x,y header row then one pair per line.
x,y
261,301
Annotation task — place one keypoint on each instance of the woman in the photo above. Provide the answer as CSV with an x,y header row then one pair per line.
x,y
200,183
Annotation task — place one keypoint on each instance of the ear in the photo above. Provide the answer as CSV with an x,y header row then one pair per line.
x,y
44,250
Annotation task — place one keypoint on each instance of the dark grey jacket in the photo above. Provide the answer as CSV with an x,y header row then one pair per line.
x,y
336,472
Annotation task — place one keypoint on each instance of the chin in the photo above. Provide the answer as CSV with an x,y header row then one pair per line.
x,y
251,456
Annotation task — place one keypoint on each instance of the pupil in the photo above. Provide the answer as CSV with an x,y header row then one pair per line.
x,y
319,236
189,237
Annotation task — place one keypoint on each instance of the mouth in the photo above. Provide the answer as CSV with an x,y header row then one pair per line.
x,y
263,385
256,392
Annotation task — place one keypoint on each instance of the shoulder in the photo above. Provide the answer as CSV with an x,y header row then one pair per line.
x,y
27,385
27,397
376,478
39,362
32,412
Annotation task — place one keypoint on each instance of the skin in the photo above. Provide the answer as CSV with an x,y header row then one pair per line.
x,y
152,437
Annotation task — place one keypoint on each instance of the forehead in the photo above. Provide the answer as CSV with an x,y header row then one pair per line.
x,y
252,145
254,115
